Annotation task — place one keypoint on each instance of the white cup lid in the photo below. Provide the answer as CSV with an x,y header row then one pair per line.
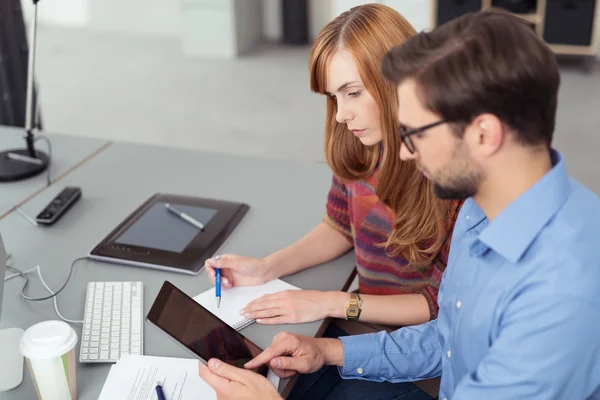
x,y
48,339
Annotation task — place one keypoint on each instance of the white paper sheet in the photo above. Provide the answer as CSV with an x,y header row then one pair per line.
x,y
236,298
135,378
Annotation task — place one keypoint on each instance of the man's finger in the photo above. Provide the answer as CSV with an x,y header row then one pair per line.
x,y
226,371
275,350
221,385
284,373
297,364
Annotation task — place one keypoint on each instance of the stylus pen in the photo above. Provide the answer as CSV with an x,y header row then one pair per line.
x,y
159,392
185,217
218,283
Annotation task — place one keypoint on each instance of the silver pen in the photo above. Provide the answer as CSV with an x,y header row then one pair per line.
x,y
187,218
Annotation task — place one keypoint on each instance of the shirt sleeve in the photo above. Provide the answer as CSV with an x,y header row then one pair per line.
x,y
547,348
430,292
408,354
337,215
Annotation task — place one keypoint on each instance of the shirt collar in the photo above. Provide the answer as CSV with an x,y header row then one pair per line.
x,y
511,233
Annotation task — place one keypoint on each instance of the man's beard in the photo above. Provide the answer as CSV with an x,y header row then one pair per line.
x,y
457,190
461,178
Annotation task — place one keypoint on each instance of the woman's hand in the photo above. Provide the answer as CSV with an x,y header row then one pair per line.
x,y
239,270
296,306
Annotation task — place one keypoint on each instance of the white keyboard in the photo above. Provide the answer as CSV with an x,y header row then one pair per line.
x,y
113,322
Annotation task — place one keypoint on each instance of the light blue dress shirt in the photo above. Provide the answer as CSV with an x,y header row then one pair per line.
x,y
519,304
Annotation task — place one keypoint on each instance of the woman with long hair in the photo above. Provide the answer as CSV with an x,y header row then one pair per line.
x,y
383,208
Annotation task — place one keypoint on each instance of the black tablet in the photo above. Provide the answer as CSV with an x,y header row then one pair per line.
x,y
155,237
199,331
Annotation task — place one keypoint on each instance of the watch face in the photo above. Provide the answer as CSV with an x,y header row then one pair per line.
x,y
352,311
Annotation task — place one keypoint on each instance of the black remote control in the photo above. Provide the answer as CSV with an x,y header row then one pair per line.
x,y
57,207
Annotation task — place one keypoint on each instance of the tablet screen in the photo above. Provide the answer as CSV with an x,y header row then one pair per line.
x,y
162,230
199,330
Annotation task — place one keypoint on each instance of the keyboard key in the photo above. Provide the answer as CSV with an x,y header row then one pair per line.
x,y
136,323
104,355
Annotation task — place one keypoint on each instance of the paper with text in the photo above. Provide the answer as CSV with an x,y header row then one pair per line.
x,y
135,378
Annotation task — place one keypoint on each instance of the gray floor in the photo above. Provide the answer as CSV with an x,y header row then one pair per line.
x,y
144,90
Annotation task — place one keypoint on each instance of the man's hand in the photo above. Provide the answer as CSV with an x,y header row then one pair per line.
x,y
290,353
295,306
239,270
233,383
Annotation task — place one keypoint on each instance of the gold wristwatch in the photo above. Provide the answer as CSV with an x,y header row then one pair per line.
x,y
354,307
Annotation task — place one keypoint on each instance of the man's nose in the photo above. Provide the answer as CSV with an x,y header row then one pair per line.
x,y
405,154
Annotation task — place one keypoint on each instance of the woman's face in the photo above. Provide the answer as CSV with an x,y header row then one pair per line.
x,y
355,106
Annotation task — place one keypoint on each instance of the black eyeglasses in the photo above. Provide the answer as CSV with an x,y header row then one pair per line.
x,y
405,134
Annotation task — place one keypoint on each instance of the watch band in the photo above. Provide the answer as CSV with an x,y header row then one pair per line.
x,y
354,307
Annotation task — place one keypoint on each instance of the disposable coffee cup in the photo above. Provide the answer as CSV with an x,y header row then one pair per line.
x,y
49,349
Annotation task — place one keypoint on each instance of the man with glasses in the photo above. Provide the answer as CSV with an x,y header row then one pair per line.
x,y
519,299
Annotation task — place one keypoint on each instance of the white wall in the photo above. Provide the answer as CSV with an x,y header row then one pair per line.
x,y
417,12
163,17
59,12
144,17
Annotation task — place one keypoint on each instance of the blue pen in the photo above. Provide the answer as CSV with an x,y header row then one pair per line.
x,y
218,283
159,392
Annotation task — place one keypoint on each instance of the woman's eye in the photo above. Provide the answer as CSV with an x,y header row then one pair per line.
x,y
354,94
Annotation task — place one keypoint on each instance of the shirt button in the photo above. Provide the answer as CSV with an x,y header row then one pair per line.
x,y
459,304
468,217
449,353
360,371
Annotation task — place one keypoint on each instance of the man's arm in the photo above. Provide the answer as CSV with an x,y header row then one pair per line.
x,y
408,354
547,348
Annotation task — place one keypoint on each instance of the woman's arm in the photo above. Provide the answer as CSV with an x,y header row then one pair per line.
x,y
320,245
393,310
298,306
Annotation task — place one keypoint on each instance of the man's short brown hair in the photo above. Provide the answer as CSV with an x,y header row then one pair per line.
x,y
485,62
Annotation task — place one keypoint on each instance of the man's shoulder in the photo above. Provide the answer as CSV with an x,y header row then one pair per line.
x,y
580,214
566,251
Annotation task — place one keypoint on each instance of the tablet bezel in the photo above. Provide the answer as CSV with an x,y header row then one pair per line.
x,y
191,260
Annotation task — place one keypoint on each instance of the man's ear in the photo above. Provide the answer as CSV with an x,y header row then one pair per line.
x,y
485,134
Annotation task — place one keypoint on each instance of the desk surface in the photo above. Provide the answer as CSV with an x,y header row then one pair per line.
x,y
286,200
67,151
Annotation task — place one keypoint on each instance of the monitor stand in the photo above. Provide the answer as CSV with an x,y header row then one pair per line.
x,y
11,360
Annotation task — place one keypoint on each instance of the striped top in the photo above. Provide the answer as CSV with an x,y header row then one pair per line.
x,y
354,209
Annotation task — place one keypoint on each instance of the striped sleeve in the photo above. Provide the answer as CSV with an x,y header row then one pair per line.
x,y
337,215
439,265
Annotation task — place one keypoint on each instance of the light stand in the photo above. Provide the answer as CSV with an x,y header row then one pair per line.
x,y
18,164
